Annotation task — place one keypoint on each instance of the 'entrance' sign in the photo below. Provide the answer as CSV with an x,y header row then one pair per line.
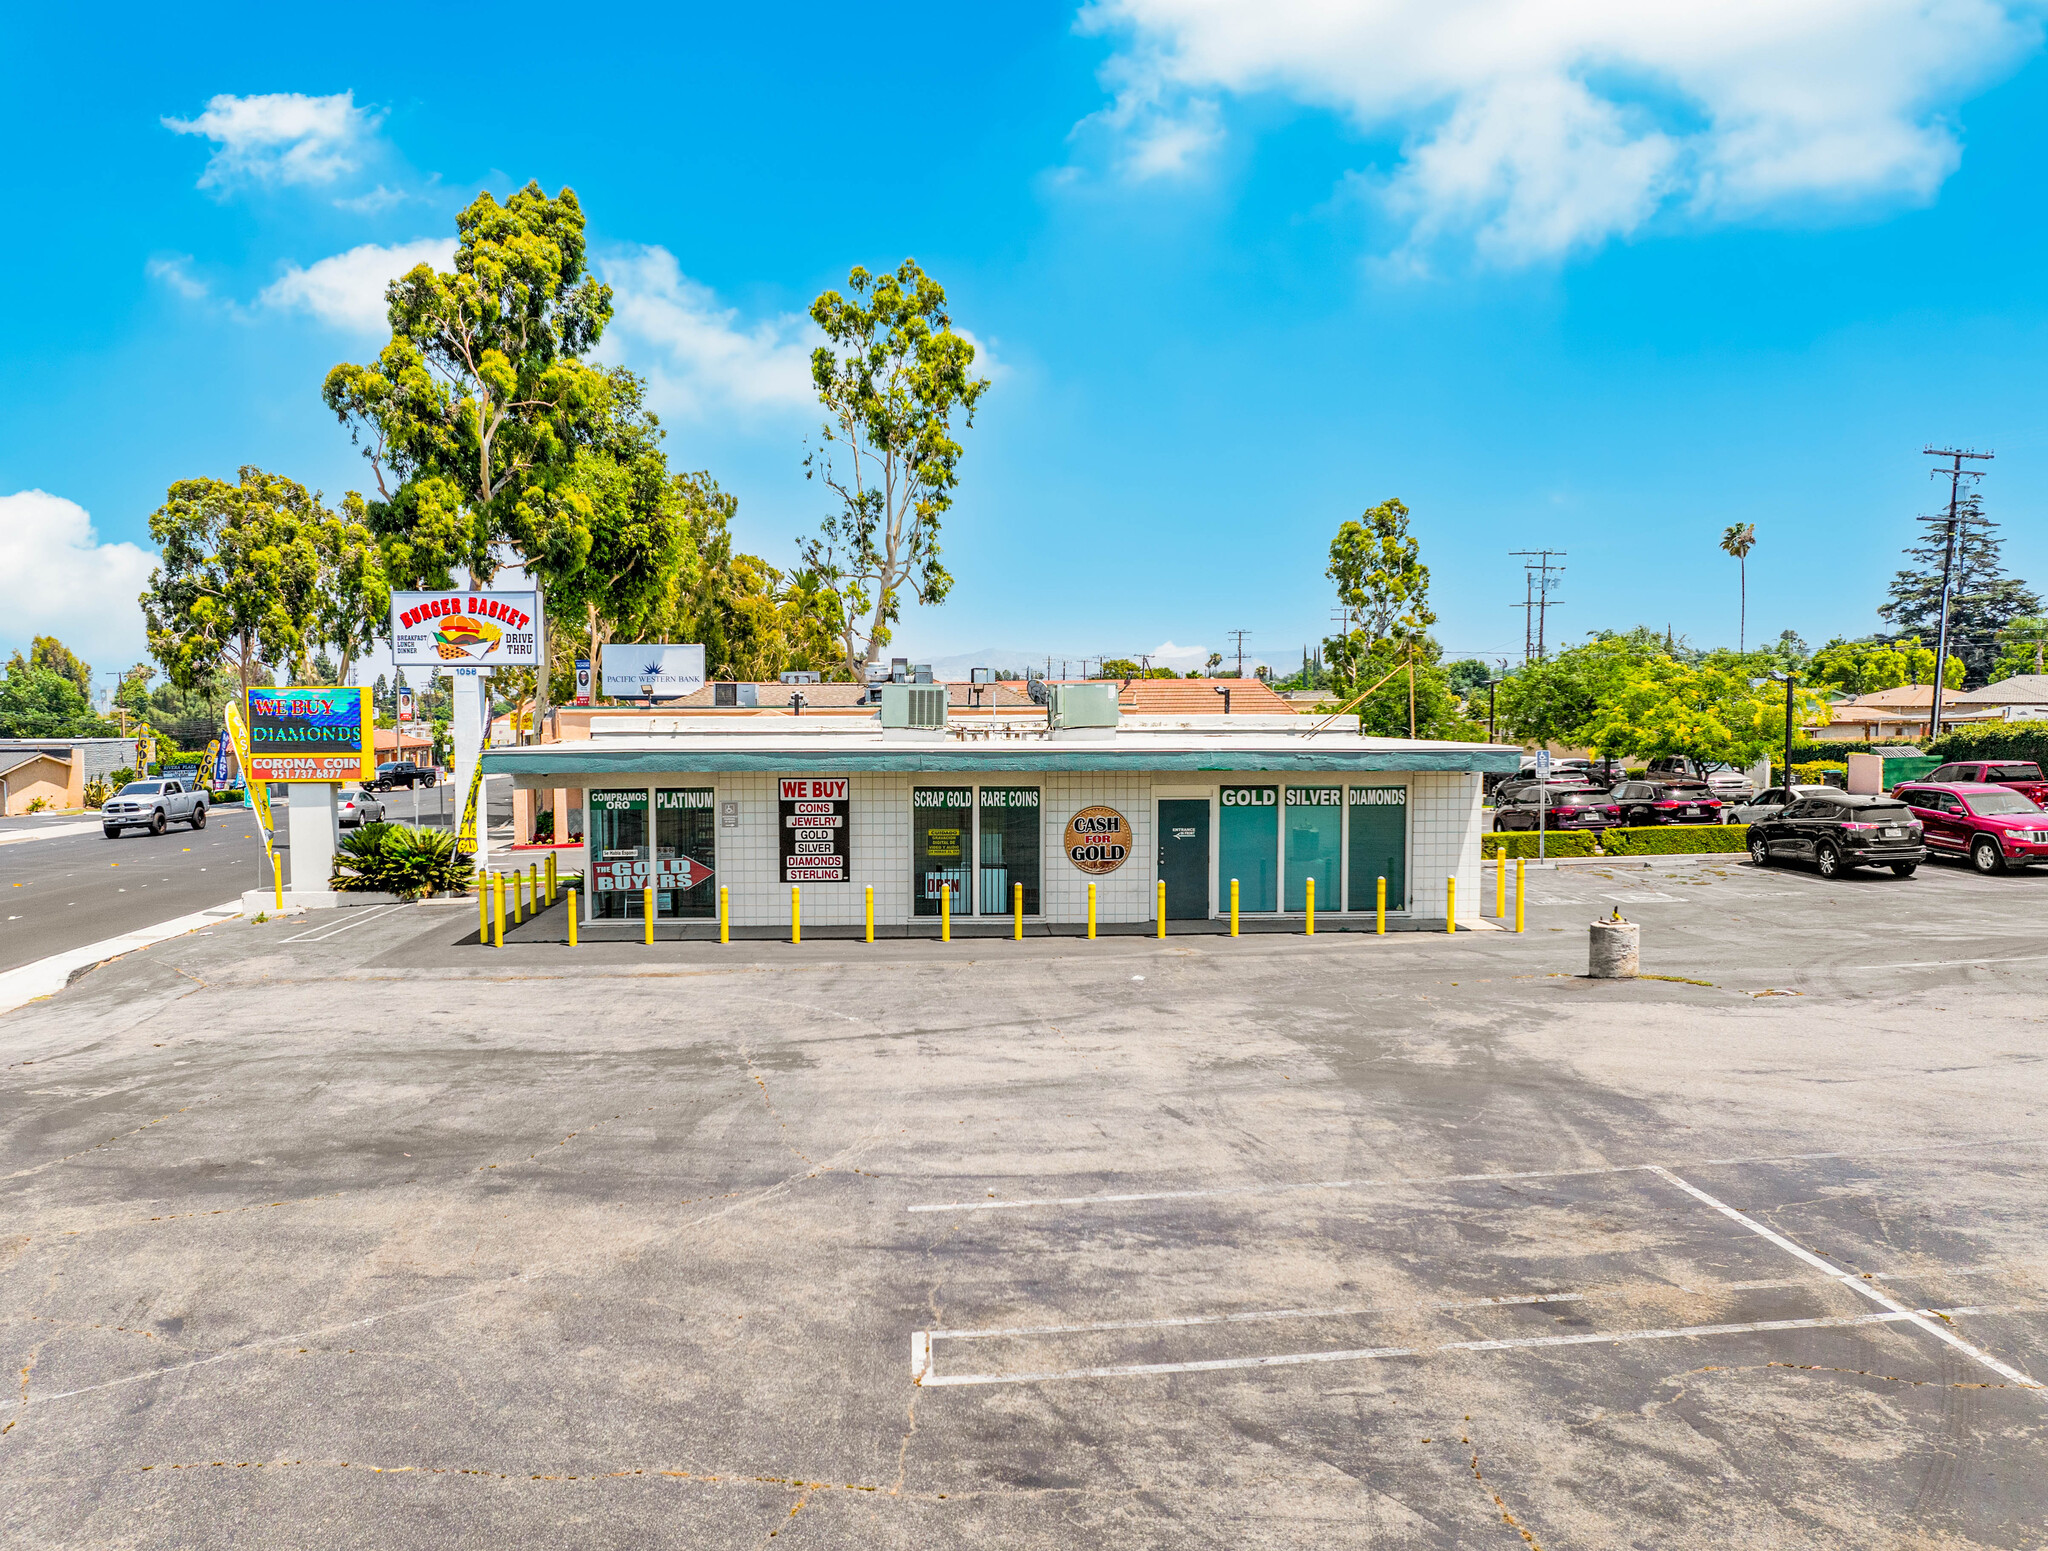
x,y
814,824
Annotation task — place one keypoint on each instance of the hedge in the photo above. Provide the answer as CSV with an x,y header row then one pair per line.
x,y
1675,839
1636,840
1994,740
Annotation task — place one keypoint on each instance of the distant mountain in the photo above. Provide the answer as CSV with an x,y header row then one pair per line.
x,y
1181,659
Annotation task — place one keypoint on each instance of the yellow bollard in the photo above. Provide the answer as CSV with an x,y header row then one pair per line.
x,y
1519,878
483,909
498,910
1500,885
647,915
277,874
533,887
796,913
1091,912
1017,905
1451,903
945,912
724,915
517,914
870,908
572,918
1233,907
548,876
1311,907
1162,907
1380,910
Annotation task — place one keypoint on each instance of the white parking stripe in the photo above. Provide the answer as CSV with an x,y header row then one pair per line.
x,y
328,929
1423,1180
1849,1279
1261,1314
922,1363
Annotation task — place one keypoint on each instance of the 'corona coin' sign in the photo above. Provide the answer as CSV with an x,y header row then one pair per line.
x,y
1098,840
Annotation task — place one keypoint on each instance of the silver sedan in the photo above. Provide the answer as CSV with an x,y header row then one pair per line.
x,y
1772,801
360,808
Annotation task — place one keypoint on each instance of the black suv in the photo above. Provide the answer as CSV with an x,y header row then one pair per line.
x,y
1841,831
397,773
1666,802
1557,807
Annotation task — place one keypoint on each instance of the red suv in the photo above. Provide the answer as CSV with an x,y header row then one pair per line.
x,y
2022,775
1995,826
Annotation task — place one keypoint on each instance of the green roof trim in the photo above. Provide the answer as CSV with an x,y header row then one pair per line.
x,y
585,759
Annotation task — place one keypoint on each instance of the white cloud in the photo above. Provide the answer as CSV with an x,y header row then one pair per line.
x,y
175,271
346,290
280,137
697,354
57,578
1538,126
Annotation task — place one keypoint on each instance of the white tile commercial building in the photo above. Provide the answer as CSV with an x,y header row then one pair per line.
x,y
1007,818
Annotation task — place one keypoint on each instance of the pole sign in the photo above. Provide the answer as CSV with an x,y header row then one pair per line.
x,y
1543,764
814,824
302,734
633,671
583,681
407,711
441,629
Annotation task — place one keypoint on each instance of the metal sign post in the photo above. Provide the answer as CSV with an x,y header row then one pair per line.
x,y
1542,798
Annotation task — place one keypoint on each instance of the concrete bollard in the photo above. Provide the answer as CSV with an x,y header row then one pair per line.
x,y
1615,950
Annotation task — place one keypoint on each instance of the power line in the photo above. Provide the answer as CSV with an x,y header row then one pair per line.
x,y
1952,525
1538,582
1238,636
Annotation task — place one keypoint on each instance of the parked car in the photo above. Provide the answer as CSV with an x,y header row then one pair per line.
x,y
1666,802
1993,825
396,773
1571,807
1730,785
154,806
360,808
1512,789
2022,775
1771,801
1840,831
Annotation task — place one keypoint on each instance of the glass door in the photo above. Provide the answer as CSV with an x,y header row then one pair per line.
x,y
685,851
941,830
620,861
1249,847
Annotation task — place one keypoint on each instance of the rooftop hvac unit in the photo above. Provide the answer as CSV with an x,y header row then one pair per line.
x,y
918,706
1083,705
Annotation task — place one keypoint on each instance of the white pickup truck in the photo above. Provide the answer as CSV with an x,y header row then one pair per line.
x,y
154,806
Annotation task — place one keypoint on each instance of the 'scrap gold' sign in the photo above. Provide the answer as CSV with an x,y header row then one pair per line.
x,y
1098,840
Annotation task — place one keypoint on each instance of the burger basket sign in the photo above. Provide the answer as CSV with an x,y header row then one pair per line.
x,y
1098,840
458,629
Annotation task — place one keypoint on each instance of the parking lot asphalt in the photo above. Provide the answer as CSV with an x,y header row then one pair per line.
x,y
334,1230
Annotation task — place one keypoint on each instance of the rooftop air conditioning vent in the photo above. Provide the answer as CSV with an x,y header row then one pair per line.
x,y
917,706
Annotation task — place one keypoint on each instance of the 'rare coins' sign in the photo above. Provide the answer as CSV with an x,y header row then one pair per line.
x,y
1098,840
814,824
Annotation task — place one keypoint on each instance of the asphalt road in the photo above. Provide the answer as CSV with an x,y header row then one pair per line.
x,y
335,1231
80,887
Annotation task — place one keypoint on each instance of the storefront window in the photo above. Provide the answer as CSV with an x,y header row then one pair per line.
x,y
1249,847
1009,848
1378,845
685,852
942,828
620,865
1315,839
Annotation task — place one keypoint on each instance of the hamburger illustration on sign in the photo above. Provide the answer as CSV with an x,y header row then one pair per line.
x,y
459,637
1098,840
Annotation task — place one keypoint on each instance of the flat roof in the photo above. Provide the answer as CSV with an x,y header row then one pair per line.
x,y
841,751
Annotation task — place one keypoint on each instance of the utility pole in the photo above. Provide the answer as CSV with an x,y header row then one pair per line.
x,y
1539,581
1239,636
1956,475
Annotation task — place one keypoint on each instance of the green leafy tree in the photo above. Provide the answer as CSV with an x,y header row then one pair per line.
x,y
891,391
1382,584
1714,710
353,597
1556,699
238,582
754,621
473,415
45,703
47,652
1866,667
1398,688
1468,677
2022,645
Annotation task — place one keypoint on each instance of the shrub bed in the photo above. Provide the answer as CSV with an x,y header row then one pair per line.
x,y
1675,839
1522,843
1994,740
395,859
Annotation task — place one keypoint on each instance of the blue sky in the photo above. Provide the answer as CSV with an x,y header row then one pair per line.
x,y
1574,275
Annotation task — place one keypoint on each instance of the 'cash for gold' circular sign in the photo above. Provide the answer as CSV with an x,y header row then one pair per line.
x,y
1098,840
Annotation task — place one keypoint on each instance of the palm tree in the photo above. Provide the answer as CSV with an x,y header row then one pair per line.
x,y
1738,541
